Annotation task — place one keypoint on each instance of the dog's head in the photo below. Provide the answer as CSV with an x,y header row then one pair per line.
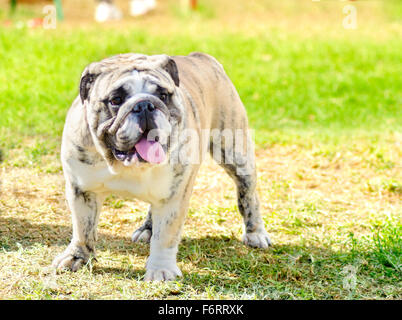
x,y
132,106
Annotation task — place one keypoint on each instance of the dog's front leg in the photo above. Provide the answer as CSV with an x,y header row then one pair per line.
x,y
85,208
167,223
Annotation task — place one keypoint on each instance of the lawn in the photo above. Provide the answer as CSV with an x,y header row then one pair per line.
x,y
326,106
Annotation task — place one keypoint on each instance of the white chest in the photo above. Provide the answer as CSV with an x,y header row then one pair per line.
x,y
150,184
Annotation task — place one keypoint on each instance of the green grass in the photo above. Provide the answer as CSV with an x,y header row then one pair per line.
x,y
285,82
224,269
326,106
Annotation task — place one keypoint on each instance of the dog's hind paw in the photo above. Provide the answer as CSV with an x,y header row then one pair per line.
x,y
141,234
257,239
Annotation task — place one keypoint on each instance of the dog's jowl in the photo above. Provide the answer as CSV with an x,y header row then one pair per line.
x,y
140,128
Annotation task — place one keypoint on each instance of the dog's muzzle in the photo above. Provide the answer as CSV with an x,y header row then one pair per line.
x,y
138,131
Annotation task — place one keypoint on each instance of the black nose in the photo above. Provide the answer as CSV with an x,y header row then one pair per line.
x,y
143,106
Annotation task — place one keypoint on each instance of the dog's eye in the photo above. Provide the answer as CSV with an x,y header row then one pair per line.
x,y
163,97
116,101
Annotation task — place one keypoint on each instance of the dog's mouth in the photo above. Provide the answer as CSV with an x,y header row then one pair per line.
x,y
143,151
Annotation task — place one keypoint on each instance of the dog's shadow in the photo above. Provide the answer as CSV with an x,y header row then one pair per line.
x,y
218,255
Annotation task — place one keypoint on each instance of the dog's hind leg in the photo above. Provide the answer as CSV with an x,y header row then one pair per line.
x,y
144,232
238,160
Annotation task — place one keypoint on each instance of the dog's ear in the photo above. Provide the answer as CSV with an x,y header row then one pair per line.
x,y
171,68
87,80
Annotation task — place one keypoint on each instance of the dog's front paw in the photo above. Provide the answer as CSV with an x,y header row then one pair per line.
x,y
73,258
164,274
159,269
258,239
141,234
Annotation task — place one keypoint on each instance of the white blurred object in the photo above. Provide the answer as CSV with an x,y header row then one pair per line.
x,y
141,7
106,11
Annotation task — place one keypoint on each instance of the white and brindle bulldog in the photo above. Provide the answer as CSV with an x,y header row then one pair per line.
x,y
135,130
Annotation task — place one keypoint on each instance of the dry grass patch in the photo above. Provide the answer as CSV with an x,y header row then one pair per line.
x,y
320,205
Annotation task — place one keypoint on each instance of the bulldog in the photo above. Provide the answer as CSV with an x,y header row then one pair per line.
x,y
141,127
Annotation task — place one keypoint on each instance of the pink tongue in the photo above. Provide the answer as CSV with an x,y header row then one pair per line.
x,y
150,151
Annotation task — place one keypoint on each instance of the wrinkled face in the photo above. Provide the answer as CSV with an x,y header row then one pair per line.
x,y
132,114
141,129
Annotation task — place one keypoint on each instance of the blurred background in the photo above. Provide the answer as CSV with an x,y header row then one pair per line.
x,y
297,63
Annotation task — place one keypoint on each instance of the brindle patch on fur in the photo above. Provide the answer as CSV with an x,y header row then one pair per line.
x,y
83,156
